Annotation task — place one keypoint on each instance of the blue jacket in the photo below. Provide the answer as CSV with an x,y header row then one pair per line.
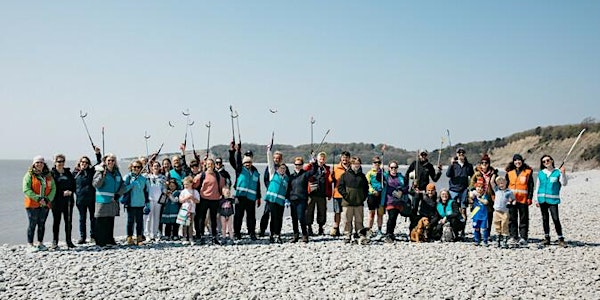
x,y
459,176
549,188
481,214
107,185
138,186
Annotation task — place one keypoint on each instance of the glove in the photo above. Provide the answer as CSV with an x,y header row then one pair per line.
x,y
147,209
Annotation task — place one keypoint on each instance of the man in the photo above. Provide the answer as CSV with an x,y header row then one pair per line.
x,y
374,199
247,191
319,192
335,176
459,173
264,220
422,170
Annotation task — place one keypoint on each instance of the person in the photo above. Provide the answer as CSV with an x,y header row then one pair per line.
x,y
157,186
210,184
503,198
247,191
179,171
420,171
169,213
486,175
519,177
320,193
449,211
299,198
276,195
167,166
479,215
137,188
374,198
459,172
188,198
62,206
549,182
335,176
108,183
219,167
39,189
264,220
395,186
195,168
226,212
427,209
354,188
85,195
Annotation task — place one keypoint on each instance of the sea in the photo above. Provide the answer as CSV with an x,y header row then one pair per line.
x,y
13,218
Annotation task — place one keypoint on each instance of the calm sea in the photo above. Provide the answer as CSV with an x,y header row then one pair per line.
x,y
14,219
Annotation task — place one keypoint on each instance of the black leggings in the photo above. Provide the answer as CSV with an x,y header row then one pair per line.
x,y
248,207
62,210
518,221
547,211
205,205
276,218
392,218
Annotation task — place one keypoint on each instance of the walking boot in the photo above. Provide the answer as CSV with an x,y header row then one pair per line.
x,y
321,230
130,240
305,238
334,232
561,242
295,238
500,239
546,241
140,240
310,231
70,244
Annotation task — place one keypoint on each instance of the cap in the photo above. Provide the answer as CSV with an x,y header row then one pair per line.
x,y
518,157
247,159
376,159
460,149
423,151
38,158
249,153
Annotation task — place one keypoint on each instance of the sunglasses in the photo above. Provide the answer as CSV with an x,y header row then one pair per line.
x,y
546,160
484,163
376,162
218,162
60,161
137,167
393,168
297,164
84,162
110,160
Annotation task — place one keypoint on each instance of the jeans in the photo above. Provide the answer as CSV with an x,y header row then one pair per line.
x,y
84,209
135,215
105,228
249,208
518,221
64,210
213,206
276,218
321,205
37,218
461,196
264,220
547,211
298,212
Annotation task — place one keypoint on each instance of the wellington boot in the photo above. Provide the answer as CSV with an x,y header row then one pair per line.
x,y
130,240
140,240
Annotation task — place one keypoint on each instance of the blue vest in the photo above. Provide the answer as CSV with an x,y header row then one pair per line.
x,y
110,186
549,189
277,189
178,178
445,212
481,214
246,184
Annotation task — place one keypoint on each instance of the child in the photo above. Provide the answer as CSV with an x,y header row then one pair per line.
x,y
479,215
171,207
188,199
226,211
504,197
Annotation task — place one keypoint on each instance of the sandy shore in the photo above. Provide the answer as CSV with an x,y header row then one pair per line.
x,y
325,268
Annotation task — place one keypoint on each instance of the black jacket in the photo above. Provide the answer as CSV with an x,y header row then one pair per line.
x,y
64,182
426,171
299,184
354,188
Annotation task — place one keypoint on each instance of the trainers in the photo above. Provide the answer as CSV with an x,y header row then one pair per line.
x,y
523,242
42,247
546,241
130,241
92,241
310,231
262,233
486,244
389,239
378,236
347,239
54,245
296,238
253,237
476,244
305,238
81,241
32,248
562,243
186,242
278,240
70,244
334,232
216,241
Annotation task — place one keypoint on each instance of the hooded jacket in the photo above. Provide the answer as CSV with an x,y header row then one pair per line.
x,y
353,187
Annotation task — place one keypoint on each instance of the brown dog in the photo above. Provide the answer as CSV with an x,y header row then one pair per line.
x,y
419,233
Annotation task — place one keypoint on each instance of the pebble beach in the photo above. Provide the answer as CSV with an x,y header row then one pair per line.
x,y
326,267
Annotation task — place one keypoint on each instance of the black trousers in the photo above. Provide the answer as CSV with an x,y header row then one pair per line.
x,y
84,209
414,217
276,218
135,215
105,228
248,207
172,230
391,222
298,212
321,207
62,210
205,205
518,221
264,220
547,211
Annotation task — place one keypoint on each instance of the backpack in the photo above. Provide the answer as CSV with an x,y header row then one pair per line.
x,y
203,176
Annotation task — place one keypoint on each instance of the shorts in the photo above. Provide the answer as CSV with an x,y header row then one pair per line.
x,y
337,205
373,202
462,197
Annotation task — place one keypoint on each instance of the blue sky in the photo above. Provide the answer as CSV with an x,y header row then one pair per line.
x,y
378,72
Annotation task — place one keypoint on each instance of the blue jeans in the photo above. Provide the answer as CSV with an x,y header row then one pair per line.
x,y
461,197
298,212
37,218
83,210
135,215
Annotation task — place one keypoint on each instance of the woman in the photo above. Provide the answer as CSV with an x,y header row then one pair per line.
x,y
39,189
108,183
156,188
354,188
136,186
449,212
520,180
299,198
85,195
63,201
486,175
395,185
277,193
210,184
549,181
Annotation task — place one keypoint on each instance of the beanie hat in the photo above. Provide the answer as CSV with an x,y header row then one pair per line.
x,y
247,159
38,158
518,157
430,187
485,157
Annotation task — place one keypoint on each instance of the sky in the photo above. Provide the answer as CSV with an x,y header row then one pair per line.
x,y
391,72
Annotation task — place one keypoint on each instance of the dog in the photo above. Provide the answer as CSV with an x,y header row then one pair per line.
x,y
447,233
419,233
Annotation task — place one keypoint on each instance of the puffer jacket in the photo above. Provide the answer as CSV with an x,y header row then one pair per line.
x,y
353,187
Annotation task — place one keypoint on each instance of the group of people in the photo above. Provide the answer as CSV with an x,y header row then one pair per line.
x,y
171,199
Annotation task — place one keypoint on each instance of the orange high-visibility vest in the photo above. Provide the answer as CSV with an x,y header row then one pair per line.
x,y
518,184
